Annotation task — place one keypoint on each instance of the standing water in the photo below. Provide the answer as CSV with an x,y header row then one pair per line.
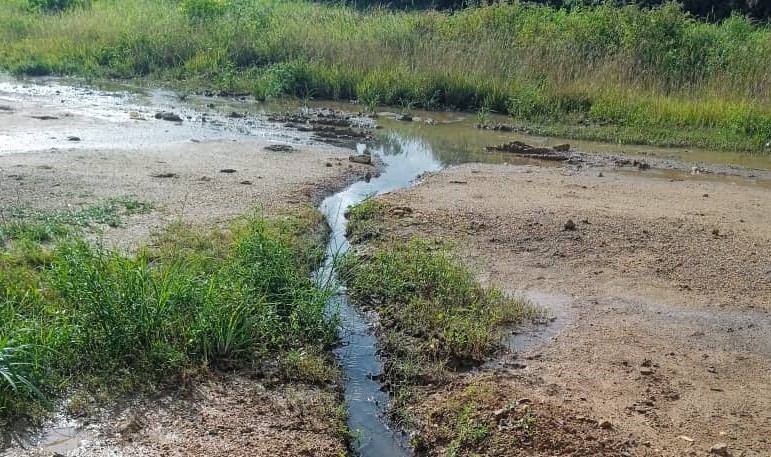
x,y
404,161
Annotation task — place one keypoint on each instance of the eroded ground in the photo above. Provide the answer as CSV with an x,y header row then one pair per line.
x,y
665,335
206,179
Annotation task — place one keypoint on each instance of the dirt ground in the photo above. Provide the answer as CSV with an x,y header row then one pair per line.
x,y
661,286
225,415
197,190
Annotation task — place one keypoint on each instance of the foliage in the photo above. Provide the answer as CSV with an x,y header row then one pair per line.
x,y
78,314
435,315
617,73
27,223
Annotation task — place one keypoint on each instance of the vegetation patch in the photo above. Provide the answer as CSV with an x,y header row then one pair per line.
x,y
76,315
436,317
628,74
18,222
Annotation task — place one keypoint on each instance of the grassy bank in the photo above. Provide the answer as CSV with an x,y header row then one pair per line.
x,y
435,316
76,315
620,74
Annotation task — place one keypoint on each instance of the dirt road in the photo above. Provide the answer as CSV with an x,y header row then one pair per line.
x,y
661,285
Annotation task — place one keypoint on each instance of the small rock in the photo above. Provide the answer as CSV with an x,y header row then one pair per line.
x,y
605,425
73,138
361,158
640,164
228,170
234,115
328,164
279,148
565,147
716,232
500,413
570,225
720,449
646,371
168,116
246,182
600,175
405,118
164,175
686,438
705,195
711,370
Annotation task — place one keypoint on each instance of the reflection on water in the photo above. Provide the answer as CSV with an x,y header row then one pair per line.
x,y
405,159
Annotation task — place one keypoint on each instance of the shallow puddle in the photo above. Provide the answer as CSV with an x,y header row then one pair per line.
x,y
560,311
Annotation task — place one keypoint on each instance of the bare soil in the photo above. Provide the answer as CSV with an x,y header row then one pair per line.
x,y
661,286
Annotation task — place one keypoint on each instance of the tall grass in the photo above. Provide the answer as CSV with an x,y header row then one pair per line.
x,y
653,70
229,298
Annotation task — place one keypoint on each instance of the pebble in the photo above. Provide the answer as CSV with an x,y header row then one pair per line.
x,y
720,449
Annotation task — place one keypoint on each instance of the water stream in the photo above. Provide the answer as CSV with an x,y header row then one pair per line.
x,y
366,403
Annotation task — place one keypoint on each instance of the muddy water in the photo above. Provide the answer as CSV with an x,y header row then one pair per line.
x,y
124,118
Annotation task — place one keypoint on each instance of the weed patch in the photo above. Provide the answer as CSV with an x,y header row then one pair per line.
x,y
437,317
83,316
26,223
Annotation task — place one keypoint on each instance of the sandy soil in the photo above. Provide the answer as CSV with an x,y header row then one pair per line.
x,y
198,192
234,416
662,293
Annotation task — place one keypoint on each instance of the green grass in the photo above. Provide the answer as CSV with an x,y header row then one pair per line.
x,y
76,315
626,74
19,222
435,316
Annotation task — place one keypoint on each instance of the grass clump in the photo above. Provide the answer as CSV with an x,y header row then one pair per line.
x,y
19,222
436,317
88,317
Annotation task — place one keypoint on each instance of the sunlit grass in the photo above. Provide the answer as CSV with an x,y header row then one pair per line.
x,y
76,314
651,70
434,315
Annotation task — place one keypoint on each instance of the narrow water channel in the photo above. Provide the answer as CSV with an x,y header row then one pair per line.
x,y
404,161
